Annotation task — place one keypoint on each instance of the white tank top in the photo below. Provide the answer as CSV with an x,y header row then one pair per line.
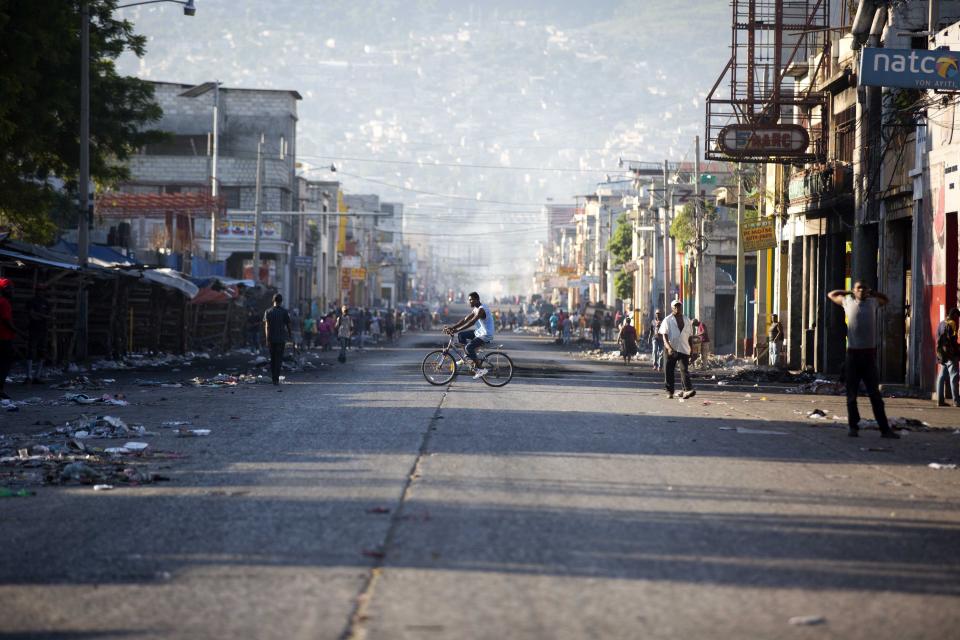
x,y
484,327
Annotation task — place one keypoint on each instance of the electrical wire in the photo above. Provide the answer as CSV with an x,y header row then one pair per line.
x,y
424,164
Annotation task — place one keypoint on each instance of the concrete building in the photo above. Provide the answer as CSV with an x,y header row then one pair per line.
x,y
316,265
184,164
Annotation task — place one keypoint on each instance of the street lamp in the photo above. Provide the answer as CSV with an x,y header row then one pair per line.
x,y
83,232
194,92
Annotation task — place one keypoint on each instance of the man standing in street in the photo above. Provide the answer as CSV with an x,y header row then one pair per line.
x,y
657,340
7,333
948,352
676,332
276,327
37,334
860,307
596,326
775,340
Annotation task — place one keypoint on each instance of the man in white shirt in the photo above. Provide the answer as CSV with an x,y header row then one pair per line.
x,y
677,331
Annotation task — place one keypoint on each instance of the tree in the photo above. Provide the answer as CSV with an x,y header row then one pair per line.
x,y
40,109
621,247
683,229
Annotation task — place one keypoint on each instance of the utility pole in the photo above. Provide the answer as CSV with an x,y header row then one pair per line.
x,y
83,231
257,212
214,187
667,283
611,290
739,300
867,179
698,220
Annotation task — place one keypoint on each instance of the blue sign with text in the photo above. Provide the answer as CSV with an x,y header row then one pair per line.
x,y
910,68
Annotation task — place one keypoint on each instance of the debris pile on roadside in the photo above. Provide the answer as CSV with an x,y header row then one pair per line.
x,y
84,383
228,380
899,423
65,455
117,400
821,387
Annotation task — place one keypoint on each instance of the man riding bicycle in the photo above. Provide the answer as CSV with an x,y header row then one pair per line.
x,y
482,333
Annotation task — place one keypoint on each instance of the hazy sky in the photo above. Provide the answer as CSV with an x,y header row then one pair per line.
x,y
541,98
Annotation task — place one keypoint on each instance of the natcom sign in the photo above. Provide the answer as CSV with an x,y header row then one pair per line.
x,y
910,68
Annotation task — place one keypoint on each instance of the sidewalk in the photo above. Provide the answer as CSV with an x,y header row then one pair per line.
x,y
804,392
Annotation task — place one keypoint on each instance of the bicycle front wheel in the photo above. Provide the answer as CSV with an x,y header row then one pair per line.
x,y
499,368
438,368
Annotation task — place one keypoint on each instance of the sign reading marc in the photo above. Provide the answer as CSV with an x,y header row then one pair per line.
x,y
910,68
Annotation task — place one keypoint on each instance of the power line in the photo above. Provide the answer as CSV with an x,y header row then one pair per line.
x,y
431,193
426,164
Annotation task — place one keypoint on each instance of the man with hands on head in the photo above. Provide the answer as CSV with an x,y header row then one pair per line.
x,y
860,307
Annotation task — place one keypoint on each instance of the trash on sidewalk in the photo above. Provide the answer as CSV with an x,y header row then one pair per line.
x,y
19,493
760,432
103,487
100,427
83,383
82,398
817,414
820,387
192,433
80,472
941,466
807,620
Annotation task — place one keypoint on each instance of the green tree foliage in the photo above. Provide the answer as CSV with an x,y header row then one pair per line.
x,y
40,108
623,284
621,241
621,247
683,229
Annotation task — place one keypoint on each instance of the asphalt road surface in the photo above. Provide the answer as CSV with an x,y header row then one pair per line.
x,y
576,502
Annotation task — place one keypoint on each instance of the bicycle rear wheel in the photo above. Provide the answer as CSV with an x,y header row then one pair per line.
x,y
438,367
499,368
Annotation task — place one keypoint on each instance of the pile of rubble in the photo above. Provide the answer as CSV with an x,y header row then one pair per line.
x,y
821,387
65,455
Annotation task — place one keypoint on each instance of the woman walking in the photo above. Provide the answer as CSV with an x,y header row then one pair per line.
x,y
628,340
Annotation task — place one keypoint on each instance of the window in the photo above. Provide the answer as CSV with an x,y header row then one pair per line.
x,y
231,197
178,145
845,134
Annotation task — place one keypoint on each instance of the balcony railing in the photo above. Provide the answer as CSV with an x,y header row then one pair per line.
x,y
820,187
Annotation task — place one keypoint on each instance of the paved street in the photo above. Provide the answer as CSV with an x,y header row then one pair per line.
x,y
358,501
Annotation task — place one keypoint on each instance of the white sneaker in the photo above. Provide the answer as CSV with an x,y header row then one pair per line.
x,y
480,373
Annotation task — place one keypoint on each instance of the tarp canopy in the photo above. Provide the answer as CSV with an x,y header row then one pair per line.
x,y
172,279
208,295
23,257
98,254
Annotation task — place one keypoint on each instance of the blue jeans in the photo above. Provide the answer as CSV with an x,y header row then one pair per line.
x,y
470,339
774,348
948,373
658,353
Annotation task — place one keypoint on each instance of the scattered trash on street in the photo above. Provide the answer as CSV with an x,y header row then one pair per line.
x,y
10,493
192,433
938,465
760,432
821,387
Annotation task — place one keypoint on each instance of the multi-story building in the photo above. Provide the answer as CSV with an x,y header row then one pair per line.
x,y
246,119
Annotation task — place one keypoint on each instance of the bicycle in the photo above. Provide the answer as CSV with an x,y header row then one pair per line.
x,y
441,366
